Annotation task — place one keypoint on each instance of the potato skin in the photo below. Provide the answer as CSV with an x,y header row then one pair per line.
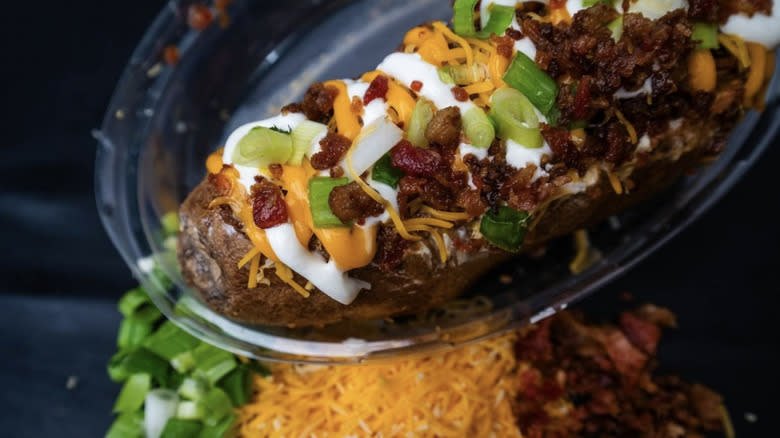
x,y
211,245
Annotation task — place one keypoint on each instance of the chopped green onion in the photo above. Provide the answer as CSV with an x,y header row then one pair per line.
x,y
127,425
170,223
705,35
149,314
524,75
218,406
478,128
132,300
505,229
589,3
463,74
237,385
126,363
224,429
498,22
159,406
386,173
261,147
133,393
183,362
190,410
319,193
212,363
194,389
178,428
302,138
463,17
132,332
169,341
616,27
516,118
421,117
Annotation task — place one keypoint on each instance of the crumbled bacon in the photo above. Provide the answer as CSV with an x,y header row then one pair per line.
x,y
415,161
350,202
445,126
582,98
268,206
390,249
377,89
416,86
461,95
505,45
221,183
317,103
334,146
641,333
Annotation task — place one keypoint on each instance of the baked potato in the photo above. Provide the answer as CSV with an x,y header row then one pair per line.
x,y
453,124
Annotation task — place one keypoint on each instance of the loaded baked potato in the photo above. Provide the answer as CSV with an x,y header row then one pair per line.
x,y
392,193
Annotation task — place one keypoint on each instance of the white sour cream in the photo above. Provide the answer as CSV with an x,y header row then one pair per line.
x,y
409,67
655,9
247,174
324,275
760,28
519,156
646,88
372,112
465,149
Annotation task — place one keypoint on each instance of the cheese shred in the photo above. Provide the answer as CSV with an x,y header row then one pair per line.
x,y
466,391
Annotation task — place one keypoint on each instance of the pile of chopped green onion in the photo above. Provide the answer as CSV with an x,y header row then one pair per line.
x,y
173,384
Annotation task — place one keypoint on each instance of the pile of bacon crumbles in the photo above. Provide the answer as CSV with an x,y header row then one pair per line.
x,y
585,380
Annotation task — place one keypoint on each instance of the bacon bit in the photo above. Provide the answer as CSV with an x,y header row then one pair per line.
x,y
514,34
334,146
643,334
582,98
221,183
504,45
171,55
557,4
268,206
390,249
461,95
415,161
276,170
357,106
627,359
199,17
378,88
416,86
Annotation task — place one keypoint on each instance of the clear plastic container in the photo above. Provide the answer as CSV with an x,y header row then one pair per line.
x,y
163,121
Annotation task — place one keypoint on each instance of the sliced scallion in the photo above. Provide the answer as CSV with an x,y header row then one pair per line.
x,y
261,147
386,173
589,3
478,128
126,363
193,389
237,385
498,22
183,362
319,193
616,27
133,393
302,138
132,300
178,428
212,363
506,228
524,75
159,406
218,406
463,17
705,35
190,410
223,429
149,314
516,118
170,223
421,116
169,341
127,425
132,332
463,74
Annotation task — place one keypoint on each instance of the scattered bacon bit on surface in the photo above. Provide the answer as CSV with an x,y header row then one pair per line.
x,y
461,95
268,206
199,17
317,103
582,98
376,89
415,161
334,146
505,45
416,86
171,55
514,34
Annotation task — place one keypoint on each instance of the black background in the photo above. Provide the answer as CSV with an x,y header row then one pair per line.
x,y
60,276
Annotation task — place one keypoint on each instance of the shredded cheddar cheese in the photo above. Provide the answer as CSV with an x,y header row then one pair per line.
x,y
467,391
629,127
614,181
450,35
443,254
285,274
253,267
737,47
445,215
428,221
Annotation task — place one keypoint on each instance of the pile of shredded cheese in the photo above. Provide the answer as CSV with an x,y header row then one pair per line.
x,y
464,392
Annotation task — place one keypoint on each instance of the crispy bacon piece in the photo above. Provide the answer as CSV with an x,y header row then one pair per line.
x,y
350,202
268,206
377,89
334,146
415,161
317,103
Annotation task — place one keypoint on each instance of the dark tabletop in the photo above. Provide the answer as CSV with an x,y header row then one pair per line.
x,y
60,276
